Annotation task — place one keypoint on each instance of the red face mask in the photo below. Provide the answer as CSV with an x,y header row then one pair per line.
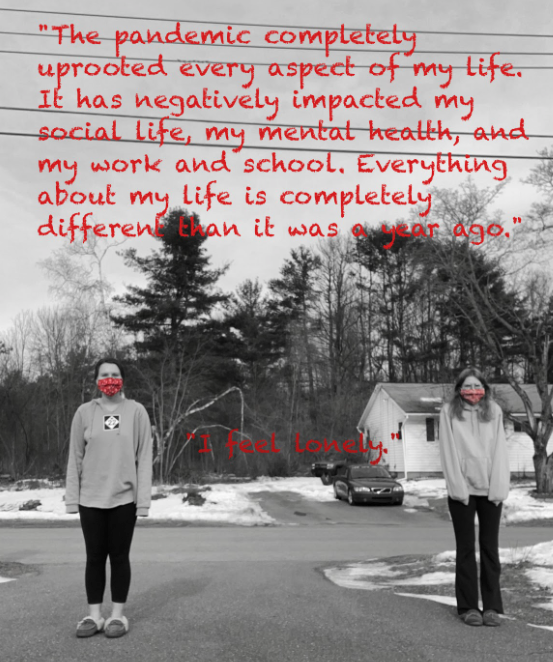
x,y
473,395
110,386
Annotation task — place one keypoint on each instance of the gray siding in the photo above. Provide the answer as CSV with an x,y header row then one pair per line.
x,y
422,456
381,421
521,450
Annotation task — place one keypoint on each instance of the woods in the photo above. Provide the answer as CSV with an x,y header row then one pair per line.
x,y
298,354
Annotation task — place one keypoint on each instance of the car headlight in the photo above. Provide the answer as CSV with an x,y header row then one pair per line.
x,y
398,488
312,466
361,489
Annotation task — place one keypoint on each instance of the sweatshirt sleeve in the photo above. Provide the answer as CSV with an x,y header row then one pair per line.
x,y
455,482
74,464
500,473
144,463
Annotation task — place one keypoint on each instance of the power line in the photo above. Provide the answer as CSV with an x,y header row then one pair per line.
x,y
152,59
288,149
296,48
210,121
267,25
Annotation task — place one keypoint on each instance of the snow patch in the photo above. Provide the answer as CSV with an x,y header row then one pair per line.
x,y
543,627
442,599
429,579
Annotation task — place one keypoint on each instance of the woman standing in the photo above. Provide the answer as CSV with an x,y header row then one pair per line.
x,y
475,463
109,479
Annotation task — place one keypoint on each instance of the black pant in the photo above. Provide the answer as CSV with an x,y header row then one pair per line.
x,y
466,579
108,531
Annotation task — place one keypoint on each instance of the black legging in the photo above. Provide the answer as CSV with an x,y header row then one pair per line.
x,y
108,531
466,574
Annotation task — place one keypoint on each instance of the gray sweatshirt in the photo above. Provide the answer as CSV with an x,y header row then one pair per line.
x,y
110,457
474,455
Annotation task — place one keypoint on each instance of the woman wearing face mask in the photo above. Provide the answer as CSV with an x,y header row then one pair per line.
x,y
109,479
473,451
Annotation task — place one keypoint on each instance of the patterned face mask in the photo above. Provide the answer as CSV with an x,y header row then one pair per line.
x,y
473,395
110,386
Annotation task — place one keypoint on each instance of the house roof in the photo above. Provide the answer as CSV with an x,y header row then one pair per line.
x,y
510,402
429,398
418,398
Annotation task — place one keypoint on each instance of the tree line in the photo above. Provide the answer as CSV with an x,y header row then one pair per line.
x,y
300,353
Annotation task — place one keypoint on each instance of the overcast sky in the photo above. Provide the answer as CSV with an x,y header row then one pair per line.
x,y
501,103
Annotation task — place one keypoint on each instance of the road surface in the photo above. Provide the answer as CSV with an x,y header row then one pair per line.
x,y
210,594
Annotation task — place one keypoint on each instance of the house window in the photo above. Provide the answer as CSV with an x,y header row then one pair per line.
x,y
517,426
431,429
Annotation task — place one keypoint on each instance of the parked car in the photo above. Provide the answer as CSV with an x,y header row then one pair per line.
x,y
327,469
361,483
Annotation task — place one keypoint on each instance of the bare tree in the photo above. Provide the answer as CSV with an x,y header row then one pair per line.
x,y
172,379
78,281
540,217
511,321
337,312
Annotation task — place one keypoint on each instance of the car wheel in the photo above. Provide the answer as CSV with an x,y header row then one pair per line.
x,y
326,479
336,495
351,500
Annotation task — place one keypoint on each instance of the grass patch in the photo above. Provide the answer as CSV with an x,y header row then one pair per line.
x,y
15,570
520,594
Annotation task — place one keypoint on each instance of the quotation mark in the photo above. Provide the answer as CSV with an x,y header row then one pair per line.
x,y
516,219
42,27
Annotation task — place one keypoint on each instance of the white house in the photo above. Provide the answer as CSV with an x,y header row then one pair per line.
x,y
405,417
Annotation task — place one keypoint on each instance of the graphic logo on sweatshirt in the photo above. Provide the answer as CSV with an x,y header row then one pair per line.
x,y
111,422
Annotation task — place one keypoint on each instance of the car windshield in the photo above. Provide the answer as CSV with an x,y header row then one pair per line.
x,y
369,472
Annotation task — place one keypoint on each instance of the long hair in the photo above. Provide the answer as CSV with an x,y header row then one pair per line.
x,y
457,402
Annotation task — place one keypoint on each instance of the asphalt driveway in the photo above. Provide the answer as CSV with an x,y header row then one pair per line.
x,y
248,594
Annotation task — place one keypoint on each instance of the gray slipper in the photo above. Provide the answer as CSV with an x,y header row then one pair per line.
x,y
472,617
491,618
88,627
116,627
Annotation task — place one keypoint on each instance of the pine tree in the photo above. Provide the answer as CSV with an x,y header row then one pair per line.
x,y
180,293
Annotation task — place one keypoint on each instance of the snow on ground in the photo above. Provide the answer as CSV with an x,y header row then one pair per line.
x,y
370,575
230,503
224,504
541,554
429,579
442,599
237,503
419,492
543,577
519,507
361,575
376,574
538,555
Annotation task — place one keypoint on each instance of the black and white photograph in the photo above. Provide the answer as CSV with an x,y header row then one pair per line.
x,y
276,333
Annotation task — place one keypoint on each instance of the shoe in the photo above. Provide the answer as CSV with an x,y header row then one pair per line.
x,y
491,618
116,627
88,627
472,617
